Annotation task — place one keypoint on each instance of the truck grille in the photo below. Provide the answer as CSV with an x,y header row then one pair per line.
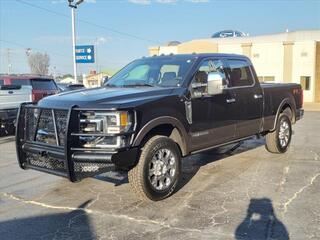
x,y
43,124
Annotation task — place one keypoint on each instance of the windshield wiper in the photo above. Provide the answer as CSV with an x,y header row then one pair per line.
x,y
110,85
139,85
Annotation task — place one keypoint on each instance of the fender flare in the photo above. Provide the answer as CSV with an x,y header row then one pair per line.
x,y
283,102
164,120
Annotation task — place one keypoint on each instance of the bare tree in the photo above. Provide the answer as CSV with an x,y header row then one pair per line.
x,y
39,63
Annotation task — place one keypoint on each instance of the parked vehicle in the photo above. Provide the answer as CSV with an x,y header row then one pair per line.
x,y
151,114
42,86
65,87
17,89
11,96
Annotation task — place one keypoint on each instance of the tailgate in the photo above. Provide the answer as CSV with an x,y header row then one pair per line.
x,y
12,98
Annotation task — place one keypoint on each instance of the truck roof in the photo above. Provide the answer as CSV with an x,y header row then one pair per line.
x,y
198,55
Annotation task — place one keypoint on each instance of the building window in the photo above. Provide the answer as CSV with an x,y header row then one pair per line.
x,y
305,82
266,78
304,54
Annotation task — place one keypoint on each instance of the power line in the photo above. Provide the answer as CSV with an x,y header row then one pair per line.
x,y
54,53
89,23
23,46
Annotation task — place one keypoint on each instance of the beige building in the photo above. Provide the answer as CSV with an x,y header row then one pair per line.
x,y
94,79
69,80
284,57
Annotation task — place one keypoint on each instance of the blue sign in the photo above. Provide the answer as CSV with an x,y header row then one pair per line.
x,y
85,54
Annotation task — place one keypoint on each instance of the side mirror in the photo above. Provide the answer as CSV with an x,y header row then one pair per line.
x,y
105,79
215,83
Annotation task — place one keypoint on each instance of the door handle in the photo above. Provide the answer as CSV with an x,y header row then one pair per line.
x,y
257,96
231,100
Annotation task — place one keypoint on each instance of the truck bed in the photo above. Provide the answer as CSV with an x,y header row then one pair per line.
x,y
275,94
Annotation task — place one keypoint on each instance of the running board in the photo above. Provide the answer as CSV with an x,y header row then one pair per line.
x,y
223,144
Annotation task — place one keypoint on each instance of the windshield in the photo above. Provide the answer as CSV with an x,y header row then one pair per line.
x,y
162,72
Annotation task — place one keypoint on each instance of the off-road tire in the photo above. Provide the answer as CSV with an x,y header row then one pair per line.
x,y
272,139
138,176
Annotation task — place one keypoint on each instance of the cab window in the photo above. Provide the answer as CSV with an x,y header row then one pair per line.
x,y
43,84
239,73
199,82
21,82
169,74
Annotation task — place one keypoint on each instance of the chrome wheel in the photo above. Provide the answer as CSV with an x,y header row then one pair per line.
x,y
284,133
162,169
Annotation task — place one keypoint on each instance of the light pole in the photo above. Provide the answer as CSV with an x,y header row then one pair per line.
x,y
96,42
73,23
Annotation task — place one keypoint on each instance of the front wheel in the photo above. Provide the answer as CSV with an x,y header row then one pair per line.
x,y
157,173
279,140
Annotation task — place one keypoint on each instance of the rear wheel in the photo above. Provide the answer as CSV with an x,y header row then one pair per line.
x,y
158,170
279,140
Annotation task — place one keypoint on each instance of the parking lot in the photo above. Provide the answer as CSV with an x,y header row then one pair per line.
x,y
245,194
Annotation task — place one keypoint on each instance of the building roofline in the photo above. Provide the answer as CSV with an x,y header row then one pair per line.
x,y
302,35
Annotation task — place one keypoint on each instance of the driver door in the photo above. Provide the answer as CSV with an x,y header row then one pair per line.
x,y
213,122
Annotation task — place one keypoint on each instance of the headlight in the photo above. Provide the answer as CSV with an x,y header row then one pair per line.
x,y
105,123
105,142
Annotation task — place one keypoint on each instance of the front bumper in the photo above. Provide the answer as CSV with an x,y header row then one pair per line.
x,y
64,157
8,116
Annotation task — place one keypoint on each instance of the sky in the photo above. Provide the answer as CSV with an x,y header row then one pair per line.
x,y
123,30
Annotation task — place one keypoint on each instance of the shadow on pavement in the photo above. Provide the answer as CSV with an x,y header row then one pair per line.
x,y
192,164
72,225
261,223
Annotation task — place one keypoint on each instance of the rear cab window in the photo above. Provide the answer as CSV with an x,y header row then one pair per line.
x,y
1,82
20,82
43,84
239,73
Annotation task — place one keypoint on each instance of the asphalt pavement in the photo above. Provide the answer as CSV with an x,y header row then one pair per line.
x,y
245,194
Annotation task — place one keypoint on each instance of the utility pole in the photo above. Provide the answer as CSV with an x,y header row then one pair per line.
x,y
9,61
73,23
54,72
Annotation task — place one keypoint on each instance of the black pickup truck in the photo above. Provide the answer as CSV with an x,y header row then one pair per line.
x,y
152,113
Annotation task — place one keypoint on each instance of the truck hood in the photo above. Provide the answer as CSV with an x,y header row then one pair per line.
x,y
106,97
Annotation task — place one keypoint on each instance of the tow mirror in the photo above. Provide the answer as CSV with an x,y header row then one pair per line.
x,y
215,83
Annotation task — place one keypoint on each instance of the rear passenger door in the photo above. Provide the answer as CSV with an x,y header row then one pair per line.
x,y
248,94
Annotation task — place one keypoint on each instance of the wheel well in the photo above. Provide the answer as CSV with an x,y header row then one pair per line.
x,y
288,106
167,130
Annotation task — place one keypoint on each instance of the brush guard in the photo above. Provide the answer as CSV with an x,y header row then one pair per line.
x,y
47,141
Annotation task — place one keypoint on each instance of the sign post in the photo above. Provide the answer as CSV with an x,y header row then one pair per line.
x,y
74,43
73,22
